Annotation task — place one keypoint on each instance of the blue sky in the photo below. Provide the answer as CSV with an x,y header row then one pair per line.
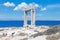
x,y
50,9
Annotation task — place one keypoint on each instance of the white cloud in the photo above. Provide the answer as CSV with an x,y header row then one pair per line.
x,y
43,9
9,4
33,5
22,5
25,5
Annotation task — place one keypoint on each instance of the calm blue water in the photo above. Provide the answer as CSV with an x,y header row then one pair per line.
x,y
20,23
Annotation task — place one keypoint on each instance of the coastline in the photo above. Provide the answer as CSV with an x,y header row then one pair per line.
x,y
20,32
25,33
18,23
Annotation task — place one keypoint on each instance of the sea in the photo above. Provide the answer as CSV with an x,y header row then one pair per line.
x,y
17,23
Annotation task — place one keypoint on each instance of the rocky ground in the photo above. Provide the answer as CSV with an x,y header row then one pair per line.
x,y
30,33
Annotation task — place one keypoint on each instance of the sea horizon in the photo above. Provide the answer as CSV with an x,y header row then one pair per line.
x,y
20,23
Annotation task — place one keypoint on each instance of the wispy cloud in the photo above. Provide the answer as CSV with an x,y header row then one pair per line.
x,y
53,6
43,9
25,5
8,4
